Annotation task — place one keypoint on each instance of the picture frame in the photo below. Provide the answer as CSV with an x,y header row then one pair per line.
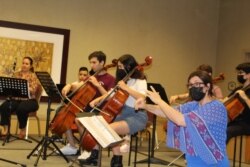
x,y
58,38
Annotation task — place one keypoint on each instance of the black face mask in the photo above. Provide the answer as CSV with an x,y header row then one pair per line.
x,y
196,93
241,79
120,74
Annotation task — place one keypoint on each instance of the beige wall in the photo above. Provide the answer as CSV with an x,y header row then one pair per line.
x,y
179,34
233,38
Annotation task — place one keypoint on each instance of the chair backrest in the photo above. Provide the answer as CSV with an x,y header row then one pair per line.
x,y
38,96
39,92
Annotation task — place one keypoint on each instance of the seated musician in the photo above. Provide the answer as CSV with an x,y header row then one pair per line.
x,y
22,107
128,121
241,124
103,81
198,127
83,75
216,89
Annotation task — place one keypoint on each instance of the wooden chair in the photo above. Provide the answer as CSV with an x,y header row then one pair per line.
x,y
240,149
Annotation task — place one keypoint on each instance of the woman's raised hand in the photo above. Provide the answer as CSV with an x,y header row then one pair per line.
x,y
153,95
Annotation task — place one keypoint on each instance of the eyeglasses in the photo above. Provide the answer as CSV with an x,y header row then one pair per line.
x,y
197,84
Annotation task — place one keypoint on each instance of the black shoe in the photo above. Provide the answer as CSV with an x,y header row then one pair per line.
x,y
91,160
116,161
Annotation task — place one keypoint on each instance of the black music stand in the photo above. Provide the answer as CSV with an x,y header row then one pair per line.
x,y
53,93
12,87
153,159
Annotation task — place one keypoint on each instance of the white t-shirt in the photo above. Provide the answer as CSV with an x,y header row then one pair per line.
x,y
140,85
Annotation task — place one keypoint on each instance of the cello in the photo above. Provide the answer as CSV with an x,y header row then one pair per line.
x,y
81,97
113,106
235,105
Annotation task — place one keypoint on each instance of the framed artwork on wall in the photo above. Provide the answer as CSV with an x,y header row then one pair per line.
x,y
47,46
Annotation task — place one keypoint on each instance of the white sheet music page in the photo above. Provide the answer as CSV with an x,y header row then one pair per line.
x,y
100,130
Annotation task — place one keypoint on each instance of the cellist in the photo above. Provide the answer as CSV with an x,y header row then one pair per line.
x,y
103,81
241,124
83,75
129,121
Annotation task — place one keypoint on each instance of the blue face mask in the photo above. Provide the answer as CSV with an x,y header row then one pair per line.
x,y
196,93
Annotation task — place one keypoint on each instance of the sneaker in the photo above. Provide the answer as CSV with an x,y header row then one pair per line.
x,y
84,155
124,148
91,160
68,150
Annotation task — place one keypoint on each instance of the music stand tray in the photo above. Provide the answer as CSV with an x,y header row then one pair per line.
x,y
52,92
13,87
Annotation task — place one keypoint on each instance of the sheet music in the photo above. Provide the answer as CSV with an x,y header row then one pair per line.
x,y
100,130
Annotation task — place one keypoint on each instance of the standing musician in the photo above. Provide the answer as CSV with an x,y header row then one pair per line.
x,y
103,81
128,121
198,127
22,107
241,124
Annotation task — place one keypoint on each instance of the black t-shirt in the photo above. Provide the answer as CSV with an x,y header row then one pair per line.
x,y
245,115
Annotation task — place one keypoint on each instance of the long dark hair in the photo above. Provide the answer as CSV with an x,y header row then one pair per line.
x,y
31,62
205,77
130,63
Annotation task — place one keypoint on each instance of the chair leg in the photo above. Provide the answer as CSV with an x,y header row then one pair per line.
x,y
156,141
136,147
130,149
27,129
240,150
149,147
38,126
235,144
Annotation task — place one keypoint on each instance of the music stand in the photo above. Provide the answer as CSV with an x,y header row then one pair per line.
x,y
12,87
153,159
53,93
